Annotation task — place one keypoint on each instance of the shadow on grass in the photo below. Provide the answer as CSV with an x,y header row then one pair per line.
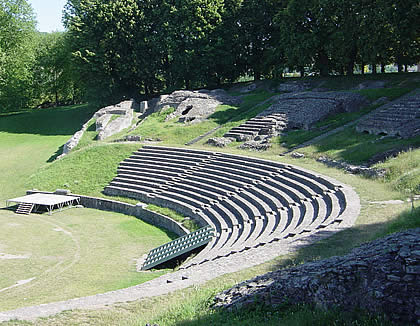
x,y
57,153
355,147
50,122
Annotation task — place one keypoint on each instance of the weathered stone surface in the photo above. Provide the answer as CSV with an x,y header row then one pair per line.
x,y
297,155
297,111
103,117
398,118
74,140
353,169
219,141
108,127
302,110
293,87
192,106
382,276
254,145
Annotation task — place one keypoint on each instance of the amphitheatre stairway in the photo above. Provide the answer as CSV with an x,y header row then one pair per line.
x,y
250,202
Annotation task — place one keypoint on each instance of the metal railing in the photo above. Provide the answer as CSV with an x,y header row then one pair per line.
x,y
178,247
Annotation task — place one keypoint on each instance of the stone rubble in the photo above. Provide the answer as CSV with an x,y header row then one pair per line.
x,y
297,111
219,141
353,169
107,127
255,145
103,124
399,118
293,87
382,277
192,106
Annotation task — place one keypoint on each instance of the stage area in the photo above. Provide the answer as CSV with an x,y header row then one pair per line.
x,y
48,202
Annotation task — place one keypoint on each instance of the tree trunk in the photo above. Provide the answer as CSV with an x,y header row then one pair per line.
x,y
302,71
382,68
400,67
363,68
323,64
374,69
350,64
257,75
405,68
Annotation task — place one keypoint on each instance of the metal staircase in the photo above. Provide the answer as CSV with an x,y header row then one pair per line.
x,y
25,208
178,247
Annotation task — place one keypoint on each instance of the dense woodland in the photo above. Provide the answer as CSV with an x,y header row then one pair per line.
x,y
135,48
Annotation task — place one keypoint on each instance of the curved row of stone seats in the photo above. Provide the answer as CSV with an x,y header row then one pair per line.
x,y
248,201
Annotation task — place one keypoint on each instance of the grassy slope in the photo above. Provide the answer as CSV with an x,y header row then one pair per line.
x,y
174,133
38,136
192,306
78,264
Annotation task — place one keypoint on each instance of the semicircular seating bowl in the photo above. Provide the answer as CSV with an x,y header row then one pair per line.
x,y
248,201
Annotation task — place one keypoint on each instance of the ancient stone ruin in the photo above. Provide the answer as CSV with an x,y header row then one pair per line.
x,y
113,119
109,121
297,111
381,277
399,118
191,106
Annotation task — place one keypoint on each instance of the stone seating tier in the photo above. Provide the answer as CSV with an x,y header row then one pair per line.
x,y
248,201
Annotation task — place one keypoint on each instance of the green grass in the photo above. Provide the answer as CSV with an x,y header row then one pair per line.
x,y
79,251
403,172
297,137
354,147
89,136
192,306
70,172
174,133
33,139
409,219
185,221
78,260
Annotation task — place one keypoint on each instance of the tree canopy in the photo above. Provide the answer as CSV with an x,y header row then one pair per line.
x,y
134,48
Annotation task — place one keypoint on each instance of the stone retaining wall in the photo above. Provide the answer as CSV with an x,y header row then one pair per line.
x,y
382,277
140,211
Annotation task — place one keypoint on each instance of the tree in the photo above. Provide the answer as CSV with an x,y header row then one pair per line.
x,y
17,31
256,29
306,29
54,77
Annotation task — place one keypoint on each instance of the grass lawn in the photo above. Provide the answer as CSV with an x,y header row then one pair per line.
x,y
74,250
78,251
355,147
88,170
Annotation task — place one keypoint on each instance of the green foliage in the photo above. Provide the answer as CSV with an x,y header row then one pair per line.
x,y
53,71
17,32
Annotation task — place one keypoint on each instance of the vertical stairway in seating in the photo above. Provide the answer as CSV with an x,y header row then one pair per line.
x,y
25,208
